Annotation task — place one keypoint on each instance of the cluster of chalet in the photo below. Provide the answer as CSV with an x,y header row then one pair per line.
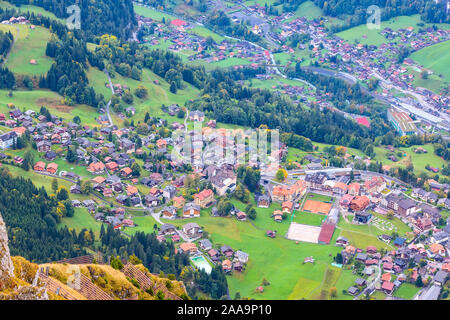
x,y
225,255
362,61
430,260
179,33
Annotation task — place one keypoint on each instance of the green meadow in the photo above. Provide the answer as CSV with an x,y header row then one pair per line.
x,y
30,45
436,58
364,35
33,100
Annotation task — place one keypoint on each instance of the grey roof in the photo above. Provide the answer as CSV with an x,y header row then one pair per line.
x,y
205,243
190,225
440,276
166,226
406,204
191,205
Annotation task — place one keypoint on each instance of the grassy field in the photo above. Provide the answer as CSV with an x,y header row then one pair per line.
x,y
418,160
308,218
81,220
406,291
436,58
278,260
31,44
204,32
35,99
364,35
150,13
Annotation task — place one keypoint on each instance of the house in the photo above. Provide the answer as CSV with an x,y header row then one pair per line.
x,y
169,212
241,256
353,189
151,200
226,266
161,144
205,244
39,166
424,224
375,185
205,198
353,290
440,278
125,172
387,287
226,251
178,202
360,282
169,192
263,201
132,190
341,241
359,203
241,216
167,229
271,234
96,168
362,216
188,247
346,200
192,229
437,248
191,210
406,207
196,116
362,257
112,166
277,215
43,146
215,256
52,168
371,250
75,189
282,193
399,242
287,206
340,188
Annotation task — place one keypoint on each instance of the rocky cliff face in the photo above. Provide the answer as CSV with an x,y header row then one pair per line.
x,y
11,286
6,265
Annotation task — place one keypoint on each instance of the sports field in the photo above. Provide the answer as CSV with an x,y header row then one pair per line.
x,y
317,207
303,232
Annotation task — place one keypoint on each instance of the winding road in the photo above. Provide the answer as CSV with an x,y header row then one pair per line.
x,y
108,105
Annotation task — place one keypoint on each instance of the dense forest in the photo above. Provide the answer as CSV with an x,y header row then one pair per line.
x,y
159,257
221,23
31,216
227,101
97,17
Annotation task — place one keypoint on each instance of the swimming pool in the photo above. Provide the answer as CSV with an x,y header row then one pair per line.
x,y
201,263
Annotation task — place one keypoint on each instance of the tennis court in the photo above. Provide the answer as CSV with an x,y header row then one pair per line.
x,y
317,207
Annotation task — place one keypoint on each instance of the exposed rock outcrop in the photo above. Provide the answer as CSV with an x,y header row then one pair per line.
x,y
12,286
6,265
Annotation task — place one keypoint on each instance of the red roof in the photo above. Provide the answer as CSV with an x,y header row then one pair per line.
x,y
178,22
363,121
389,286
326,233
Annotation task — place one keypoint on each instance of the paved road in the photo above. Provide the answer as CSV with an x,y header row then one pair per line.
x,y
372,284
111,123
